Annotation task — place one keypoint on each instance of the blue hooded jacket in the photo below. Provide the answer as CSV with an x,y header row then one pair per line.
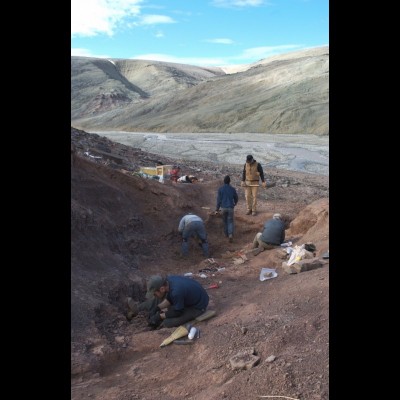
x,y
227,197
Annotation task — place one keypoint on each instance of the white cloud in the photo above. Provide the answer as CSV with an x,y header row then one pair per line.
x,y
159,34
204,61
238,3
86,53
92,17
155,19
220,41
248,56
267,51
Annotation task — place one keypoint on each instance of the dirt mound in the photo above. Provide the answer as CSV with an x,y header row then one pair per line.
x,y
124,229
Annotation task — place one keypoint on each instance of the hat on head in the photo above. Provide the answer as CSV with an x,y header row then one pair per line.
x,y
249,157
277,216
154,283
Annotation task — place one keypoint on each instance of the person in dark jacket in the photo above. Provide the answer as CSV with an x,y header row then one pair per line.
x,y
227,198
273,234
252,173
174,300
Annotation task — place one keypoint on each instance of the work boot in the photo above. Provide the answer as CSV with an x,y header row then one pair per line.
x,y
130,315
133,308
248,212
230,238
257,251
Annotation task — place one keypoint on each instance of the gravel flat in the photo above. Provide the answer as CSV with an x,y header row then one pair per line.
x,y
302,153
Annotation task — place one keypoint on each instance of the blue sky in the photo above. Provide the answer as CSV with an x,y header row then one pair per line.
x,y
197,32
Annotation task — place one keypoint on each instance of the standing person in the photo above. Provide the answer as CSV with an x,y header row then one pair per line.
x,y
193,226
252,172
173,300
227,199
273,234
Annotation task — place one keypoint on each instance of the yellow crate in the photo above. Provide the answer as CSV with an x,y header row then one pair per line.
x,y
149,170
163,169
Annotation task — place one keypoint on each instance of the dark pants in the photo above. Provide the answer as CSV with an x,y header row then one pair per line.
x,y
189,313
195,229
257,242
227,217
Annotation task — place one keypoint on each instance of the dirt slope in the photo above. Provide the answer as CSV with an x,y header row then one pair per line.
x,y
124,228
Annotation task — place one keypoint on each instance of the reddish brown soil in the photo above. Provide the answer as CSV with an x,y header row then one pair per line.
x,y
124,229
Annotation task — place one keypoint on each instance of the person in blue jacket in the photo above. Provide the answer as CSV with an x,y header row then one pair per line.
x,y
272,235
227,198
176,300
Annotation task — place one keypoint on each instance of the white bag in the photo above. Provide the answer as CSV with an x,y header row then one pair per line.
x,y
267,273
297,254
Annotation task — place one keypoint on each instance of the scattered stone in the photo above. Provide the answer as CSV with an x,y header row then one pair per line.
x,y
302,266
245,359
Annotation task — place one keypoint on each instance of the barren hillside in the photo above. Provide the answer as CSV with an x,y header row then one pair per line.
x,y
285,94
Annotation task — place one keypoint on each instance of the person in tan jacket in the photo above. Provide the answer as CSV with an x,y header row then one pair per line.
x,y
252,173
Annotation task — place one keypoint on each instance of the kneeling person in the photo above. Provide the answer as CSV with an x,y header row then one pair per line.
x,y
177,300
273,234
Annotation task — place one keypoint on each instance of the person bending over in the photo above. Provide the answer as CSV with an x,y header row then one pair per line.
x,y
273,234
192,226
176,300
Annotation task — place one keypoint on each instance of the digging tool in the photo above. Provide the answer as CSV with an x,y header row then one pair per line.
x,y
206,315
179,332
182,330
213,286
183,341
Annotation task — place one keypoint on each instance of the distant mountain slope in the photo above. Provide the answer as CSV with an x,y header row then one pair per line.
x,y
100,85
282,94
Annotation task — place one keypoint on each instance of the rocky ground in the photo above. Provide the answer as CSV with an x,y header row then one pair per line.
x,y
124,229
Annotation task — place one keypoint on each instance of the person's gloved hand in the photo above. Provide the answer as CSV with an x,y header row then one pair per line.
x,y
154,310
243,183
264,184
154,320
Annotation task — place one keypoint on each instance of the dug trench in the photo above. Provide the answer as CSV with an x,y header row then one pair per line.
x,y
124,229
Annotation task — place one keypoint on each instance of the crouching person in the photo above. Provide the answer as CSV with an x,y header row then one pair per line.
x,y
192,226
177,300
272,235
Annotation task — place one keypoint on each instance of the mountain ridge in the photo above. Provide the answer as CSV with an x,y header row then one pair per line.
x,y
286,94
